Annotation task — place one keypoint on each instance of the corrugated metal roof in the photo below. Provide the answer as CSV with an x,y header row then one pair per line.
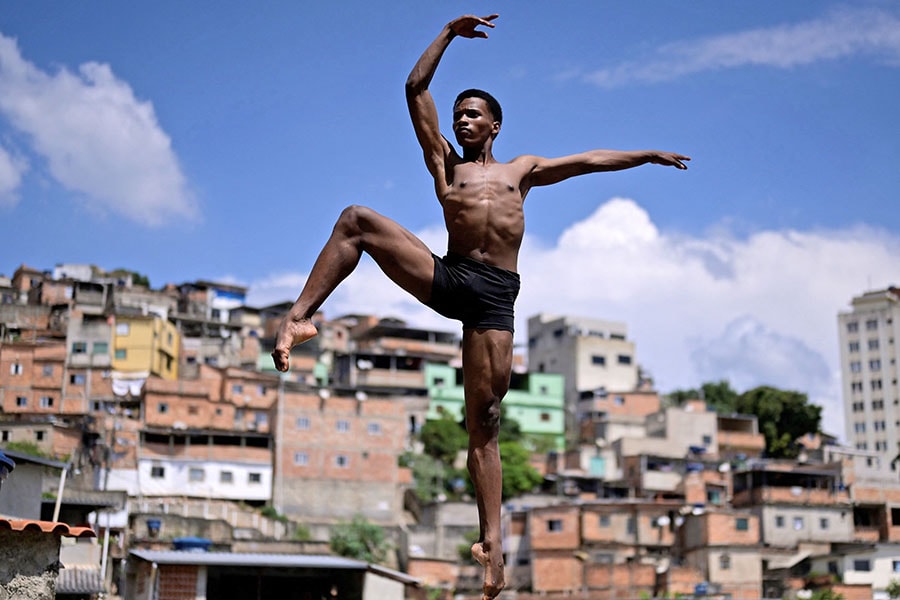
x,y
247,559
79,580
46,527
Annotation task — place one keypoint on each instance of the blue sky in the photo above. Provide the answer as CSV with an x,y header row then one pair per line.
x,y
220,140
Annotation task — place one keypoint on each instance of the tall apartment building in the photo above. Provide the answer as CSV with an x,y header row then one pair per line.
x,y
592,355
868,334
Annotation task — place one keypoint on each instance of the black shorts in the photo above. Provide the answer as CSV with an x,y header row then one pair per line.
x,y
478,294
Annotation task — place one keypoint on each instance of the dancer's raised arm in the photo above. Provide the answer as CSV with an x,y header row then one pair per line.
x,y
422,110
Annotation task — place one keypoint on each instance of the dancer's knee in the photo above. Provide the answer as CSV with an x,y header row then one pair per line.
x,y
484,417
355,220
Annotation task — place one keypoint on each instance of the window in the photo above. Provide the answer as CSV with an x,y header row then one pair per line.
x,y
876,384
15,369
101,348
554,525
604,521
872,324
859,427
237,388
157,472
342,461
196,474
725,562
193,410
46,402
853,346
779,521
226,477
303,423
545,417
798,523
254,477
343,426
895,566
47,370
261,418
619,400
121,353
856,386
21,401
873,344
877,404
631,525
742,524
875,364
624,359
123,329
598,360
39,436
4,435
823,523
852,327
862,564
301,459
79,347
707,440
855,366
162,408
374,428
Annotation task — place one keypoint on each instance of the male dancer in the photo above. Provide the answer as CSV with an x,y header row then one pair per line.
x,y
476,282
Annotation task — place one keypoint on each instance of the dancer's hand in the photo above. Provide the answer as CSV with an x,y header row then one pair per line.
x,y
465,26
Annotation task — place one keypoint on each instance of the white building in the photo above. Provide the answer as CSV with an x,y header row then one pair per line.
x,y
869,335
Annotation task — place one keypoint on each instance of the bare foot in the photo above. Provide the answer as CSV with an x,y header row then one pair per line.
x,y
291,333
494,577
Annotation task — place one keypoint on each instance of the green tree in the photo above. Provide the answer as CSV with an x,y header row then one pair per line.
x,y
429,474
359,539
893,588
443,439
783,417
518,474
719,396
826,594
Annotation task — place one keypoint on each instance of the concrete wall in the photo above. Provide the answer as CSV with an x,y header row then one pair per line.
x,y
28,565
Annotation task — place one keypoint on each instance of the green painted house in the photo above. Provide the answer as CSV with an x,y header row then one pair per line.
x,y
535,400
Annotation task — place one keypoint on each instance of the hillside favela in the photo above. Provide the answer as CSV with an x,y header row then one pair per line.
x,y
149,450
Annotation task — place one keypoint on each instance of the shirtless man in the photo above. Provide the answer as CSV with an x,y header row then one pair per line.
x,y
476,282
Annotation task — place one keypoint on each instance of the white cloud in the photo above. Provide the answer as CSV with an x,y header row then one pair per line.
x,y
98,140
760,310
11,170
841,33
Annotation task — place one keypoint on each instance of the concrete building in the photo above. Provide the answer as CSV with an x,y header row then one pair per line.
x,y
869,335
147,344
337,456
591,354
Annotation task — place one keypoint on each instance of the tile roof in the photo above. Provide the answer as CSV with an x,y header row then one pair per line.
x,y
46,527
79,580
